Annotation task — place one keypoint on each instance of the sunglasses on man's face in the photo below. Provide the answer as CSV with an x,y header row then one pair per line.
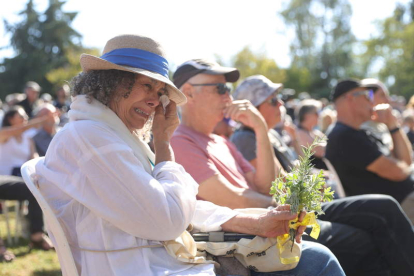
x,y
273,101
222,88
369,94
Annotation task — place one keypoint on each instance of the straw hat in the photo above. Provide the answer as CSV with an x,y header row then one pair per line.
x,y
137,54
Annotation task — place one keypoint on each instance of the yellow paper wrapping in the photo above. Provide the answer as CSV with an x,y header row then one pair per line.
x,y
308,220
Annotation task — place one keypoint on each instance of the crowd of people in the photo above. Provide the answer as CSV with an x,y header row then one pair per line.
x,y
213,152
27,128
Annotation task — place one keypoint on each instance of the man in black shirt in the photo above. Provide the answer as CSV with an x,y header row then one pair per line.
x,y
363,163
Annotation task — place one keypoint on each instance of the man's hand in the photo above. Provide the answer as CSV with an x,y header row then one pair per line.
x,y
244,112
383,114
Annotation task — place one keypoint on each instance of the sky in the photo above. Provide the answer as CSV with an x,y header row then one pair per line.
x,y
194,29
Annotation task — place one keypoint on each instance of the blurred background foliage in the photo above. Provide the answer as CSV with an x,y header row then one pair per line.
x,y
324,49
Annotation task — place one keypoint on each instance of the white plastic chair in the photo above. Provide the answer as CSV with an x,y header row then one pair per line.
x,y
61,244
338,187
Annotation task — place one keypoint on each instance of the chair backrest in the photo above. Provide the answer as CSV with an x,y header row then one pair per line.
x,y
339,188
61,244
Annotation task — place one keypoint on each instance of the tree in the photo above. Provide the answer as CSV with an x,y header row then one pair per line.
x,y
298,78
393,47
323,42
41,43
250,64
60,75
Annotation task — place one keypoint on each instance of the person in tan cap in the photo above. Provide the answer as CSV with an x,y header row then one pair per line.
x,y
116,200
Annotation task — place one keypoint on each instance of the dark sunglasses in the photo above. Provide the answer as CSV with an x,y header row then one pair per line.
x,y
369,94
273,101
222,88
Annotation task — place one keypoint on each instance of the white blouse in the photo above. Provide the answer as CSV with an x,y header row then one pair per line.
x,y
14,153
105,200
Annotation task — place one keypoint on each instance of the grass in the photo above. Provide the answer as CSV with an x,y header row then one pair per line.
x,y
34,263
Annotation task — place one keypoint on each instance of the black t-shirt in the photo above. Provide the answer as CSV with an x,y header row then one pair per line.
x,y
350,152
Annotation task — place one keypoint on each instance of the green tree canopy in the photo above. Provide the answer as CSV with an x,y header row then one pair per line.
x,y
250,63
41,42
323,42
393,49
65,73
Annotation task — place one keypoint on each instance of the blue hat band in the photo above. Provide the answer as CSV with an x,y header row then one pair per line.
x,y
138,58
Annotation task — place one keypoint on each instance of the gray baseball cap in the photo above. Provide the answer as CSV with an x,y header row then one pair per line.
x,y
256,89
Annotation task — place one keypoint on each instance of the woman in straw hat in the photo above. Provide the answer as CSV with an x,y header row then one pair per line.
x,y
116,201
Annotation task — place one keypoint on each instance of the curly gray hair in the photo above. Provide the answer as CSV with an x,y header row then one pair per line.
x,y
107,86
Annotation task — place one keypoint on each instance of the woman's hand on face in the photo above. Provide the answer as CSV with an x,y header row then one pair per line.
x,y
275,222
164,126
244,112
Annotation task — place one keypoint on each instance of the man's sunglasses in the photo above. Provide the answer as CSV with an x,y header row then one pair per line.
x,y
273,101
222,88
369,94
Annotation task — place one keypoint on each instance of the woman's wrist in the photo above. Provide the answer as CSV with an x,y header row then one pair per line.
x,y
163,151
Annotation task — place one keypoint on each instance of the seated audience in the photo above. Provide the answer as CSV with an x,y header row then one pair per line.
x,y
44,135
110,192
364,164
16,146
62,100
12,99
380,98
355,229
410,104
14,188
45,98
326,119
408,122
307,116
30,103
287,131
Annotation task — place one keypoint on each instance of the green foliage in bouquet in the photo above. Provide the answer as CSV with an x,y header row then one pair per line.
x,y
301,189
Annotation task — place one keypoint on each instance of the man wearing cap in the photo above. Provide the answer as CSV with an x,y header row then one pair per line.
x,y
31,90
263,94
225,177
363,163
